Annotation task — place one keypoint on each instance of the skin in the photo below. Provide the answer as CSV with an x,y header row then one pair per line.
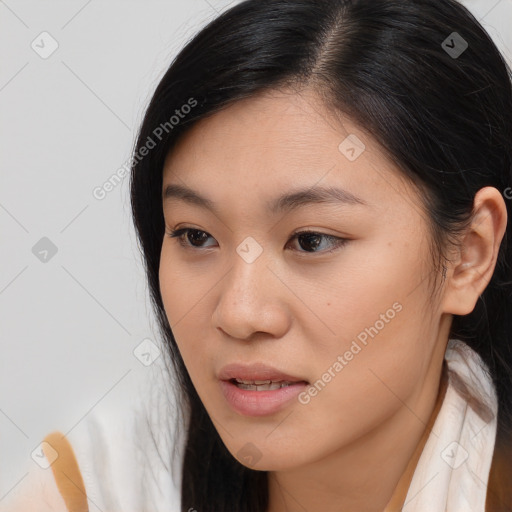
x,y
297,308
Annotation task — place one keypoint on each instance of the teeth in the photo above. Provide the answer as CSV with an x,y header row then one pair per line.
x,y
261,385
257,382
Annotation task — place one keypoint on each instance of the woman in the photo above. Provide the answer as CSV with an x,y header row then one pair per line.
x,y
321,191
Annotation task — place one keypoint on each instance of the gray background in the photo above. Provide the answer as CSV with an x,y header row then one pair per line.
x,y
69,323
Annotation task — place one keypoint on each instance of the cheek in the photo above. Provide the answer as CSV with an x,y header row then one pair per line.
x,y
351,397
368,290
378,355
183,287
378,365
185,294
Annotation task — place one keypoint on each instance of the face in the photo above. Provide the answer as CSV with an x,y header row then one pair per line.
x,y
344,308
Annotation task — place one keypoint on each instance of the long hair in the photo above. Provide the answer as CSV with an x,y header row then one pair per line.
x,y
439,104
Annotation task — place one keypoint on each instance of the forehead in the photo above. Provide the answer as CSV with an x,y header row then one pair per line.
x,y
278,139
282,124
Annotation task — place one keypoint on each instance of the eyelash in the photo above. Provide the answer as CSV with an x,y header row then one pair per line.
x,y
338,241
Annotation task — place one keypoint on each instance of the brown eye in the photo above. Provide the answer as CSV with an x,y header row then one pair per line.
x,y
311,240
194,237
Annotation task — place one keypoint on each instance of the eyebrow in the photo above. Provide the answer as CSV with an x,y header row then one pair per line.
x,y
283,203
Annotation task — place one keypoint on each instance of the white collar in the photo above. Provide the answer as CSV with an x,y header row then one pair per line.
x,y
453,469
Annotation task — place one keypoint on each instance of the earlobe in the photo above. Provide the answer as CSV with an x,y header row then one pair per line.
x,y
470,274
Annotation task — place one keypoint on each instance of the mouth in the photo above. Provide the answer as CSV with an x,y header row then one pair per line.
x,y
257,374
259,389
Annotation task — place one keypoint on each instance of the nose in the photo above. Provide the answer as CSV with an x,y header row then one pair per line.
x,y
252,299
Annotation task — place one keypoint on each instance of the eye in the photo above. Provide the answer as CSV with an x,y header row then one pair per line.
x,y
313,240
310,240
195,237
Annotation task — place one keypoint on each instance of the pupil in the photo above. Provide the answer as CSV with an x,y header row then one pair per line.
x,y
312,240
193,236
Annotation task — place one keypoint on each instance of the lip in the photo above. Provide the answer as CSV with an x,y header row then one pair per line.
x,y
258,403
255,371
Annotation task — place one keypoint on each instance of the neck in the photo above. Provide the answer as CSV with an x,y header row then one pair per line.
x,y
397,500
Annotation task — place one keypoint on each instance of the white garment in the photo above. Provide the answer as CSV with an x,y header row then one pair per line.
x,y
126,465
125,455
453,469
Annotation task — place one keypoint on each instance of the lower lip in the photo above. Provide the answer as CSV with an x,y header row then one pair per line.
x,y
259,403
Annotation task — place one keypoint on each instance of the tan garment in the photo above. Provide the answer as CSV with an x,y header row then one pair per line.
x,y
66,472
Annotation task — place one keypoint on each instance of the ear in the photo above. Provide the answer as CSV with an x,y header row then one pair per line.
x,y
470,272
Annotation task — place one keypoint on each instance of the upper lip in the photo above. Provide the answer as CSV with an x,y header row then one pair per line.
x,y
255,371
